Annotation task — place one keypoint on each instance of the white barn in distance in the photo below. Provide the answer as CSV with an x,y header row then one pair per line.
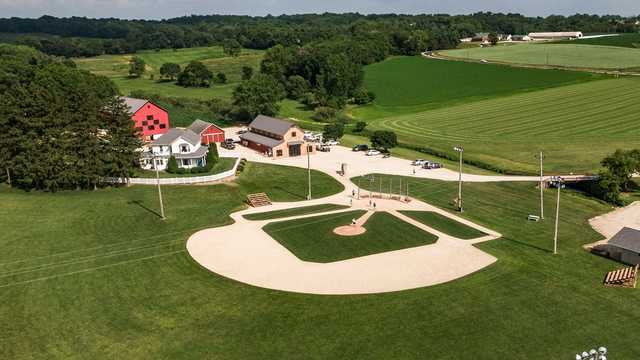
x,y
562,35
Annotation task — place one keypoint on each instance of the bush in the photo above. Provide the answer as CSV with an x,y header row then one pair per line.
x,y
247,72
324,114
221,78
363,96
181,171
360,126
172,165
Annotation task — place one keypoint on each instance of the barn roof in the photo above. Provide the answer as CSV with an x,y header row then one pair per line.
x,y
628,239
173,134
134,104
271,125
198,126
260,139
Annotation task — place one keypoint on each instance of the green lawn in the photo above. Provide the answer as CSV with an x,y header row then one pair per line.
x,y
223,164
312,239
575,125
622,40
304,210
116,67
566,55
98,275
404,84
444,224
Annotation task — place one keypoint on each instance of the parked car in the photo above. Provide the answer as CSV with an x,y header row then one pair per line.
x,y
386,155
418,162
323,148
432,165
228,144
361,147
241,131
332,143
373,152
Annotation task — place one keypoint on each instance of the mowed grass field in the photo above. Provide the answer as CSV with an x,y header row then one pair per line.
x,y
622,40
575,125
565,55
116,67
405,84
98,275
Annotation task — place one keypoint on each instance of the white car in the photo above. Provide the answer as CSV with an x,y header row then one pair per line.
x,y
372,152
418,162
332,143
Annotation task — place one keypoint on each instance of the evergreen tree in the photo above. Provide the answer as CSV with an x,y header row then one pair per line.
x,y
212,156
172,165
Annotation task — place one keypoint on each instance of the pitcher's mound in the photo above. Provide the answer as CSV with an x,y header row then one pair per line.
x,y
349,230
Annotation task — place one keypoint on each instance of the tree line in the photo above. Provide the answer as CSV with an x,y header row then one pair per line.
x,y
80,36
62,128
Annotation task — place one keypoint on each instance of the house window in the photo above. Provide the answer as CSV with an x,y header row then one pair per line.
x,y
278,152
151,127
186,162
156,121
159,162
144,122
184,148
293,134
149,117
163,126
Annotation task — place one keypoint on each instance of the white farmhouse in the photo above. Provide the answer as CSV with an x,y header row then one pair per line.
x,y
184,144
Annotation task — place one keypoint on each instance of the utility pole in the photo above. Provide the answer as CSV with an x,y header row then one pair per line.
x,y
460,150
559,184
309,172
541,157
155,164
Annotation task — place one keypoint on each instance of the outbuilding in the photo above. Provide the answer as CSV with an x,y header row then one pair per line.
x,y
623,246
209,133
560,35
276,138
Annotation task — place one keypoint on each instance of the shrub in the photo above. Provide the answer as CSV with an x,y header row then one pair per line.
x,y
172,165
362,96
212,156
221,78
360,126
324,113
181,171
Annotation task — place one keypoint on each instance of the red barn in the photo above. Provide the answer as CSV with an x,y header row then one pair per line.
x,y
150,119
209,133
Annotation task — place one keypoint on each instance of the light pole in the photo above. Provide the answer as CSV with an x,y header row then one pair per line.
x,y
560,184
460,150
541,157
155,165
309,172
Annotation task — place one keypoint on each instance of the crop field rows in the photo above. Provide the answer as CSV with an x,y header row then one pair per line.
x,y
578,118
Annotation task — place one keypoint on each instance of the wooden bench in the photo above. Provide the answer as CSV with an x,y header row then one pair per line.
x,y
259,199
625,277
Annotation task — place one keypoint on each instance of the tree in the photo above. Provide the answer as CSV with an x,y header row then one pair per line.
x,y
231,47
333,131
221,78
212,156
383,139
622,165
360,126
170,70
136,67
493,38
195,74
362,96
296,87
172,165
260,95
247,72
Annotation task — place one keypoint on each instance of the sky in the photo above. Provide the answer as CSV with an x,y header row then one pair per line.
x,y
159,9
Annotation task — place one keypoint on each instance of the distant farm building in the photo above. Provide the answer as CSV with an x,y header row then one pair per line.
x,y
276,138
563,35
151,120
623,246
209,133
520,38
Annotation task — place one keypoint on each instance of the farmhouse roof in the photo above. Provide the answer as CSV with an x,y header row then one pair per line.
x,y
134,104
628,239
260,139
271,125
198,126
202,151
173,134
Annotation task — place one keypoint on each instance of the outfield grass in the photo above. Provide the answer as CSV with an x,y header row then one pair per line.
x,y
304,210
116,67
575,125
97,275
223,164
566,55
403,84
622,40
313,239
444,224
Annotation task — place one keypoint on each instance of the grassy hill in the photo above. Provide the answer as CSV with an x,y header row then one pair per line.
x,y
566,55
576,125
621,40
116,67
409,84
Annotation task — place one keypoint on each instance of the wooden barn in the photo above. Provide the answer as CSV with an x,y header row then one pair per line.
x,y
209,133
150,120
